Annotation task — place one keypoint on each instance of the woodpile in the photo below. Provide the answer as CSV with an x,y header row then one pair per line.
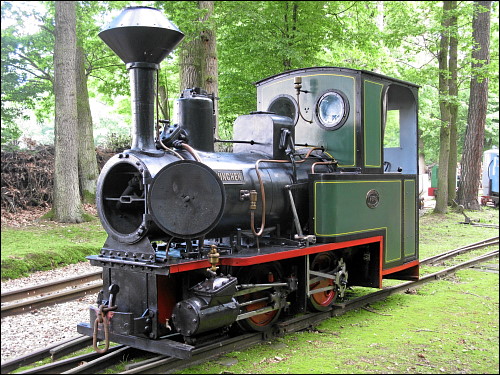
x,y
28,175
27,178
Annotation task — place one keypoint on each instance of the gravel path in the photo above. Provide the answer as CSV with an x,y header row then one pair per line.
x,y
25,333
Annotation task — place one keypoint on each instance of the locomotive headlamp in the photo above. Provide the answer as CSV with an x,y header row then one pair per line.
x,y
332,110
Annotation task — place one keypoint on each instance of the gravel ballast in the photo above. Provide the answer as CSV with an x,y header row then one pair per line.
x,y
25,333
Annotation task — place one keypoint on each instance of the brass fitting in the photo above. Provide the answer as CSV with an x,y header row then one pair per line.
x,y
297,83
253,199
213,258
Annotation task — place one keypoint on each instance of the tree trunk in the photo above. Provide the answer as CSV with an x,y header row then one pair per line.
x,y
444,155
453,105
189,64
444,134
290,29
478,101
87,162
209,62
163,102
67,206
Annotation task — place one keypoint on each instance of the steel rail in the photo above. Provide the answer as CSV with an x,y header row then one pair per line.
x,y
32,291
31,304
199,355
43,353
70,364
460,250
105,361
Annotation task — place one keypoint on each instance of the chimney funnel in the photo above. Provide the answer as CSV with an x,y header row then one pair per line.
x,y
142,37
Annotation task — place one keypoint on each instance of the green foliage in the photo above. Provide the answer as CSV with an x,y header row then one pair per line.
x,y
413,57
10,135
111,119
255,46
27,66
27,58
255,39
118,142
391,132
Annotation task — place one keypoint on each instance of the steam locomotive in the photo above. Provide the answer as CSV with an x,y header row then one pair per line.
x,y
203,244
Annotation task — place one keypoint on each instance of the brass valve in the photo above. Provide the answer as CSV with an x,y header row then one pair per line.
x,y
297,83
213,258
253,199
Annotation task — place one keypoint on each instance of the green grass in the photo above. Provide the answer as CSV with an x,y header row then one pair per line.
x,y
439,233
48,245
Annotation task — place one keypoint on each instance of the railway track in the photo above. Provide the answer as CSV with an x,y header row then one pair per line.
x,y
153,363
460,250
27,299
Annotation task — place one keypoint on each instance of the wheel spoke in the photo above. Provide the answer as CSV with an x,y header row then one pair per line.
x,y
260,274
324,263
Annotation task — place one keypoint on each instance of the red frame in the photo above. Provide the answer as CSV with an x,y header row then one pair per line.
x,y
287,254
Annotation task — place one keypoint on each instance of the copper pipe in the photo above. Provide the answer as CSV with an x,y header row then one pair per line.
x,y
313,149
263,192
192,151
169,149
322,163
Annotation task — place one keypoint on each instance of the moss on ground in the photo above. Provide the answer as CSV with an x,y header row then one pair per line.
x,y
48,245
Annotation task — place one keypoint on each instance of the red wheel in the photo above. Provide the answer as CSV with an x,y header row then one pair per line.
x,y
321,301
259,274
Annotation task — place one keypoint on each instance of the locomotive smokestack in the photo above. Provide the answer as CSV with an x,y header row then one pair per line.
x,y
142,37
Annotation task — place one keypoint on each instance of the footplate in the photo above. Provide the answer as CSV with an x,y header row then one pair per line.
x,y
161,346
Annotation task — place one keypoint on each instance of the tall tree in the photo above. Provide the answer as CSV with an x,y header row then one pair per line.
x,y
33,54
198,53
208,51
67,206
198,59
189,62
478,102
444,106
87,162
453,102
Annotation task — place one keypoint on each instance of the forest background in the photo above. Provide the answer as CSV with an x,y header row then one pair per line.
x,y
229,45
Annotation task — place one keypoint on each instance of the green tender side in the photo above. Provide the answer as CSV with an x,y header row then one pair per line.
x,y
372,118
340,209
